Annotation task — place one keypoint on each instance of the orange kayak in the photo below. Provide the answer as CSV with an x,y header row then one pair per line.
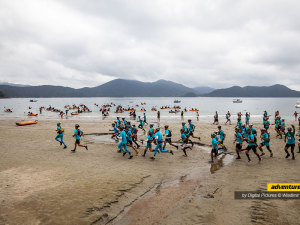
x,y
74,113
85,111
174,111
32,114
7,111
27,123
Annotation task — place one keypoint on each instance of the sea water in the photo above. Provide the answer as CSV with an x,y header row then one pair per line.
x,y
207,107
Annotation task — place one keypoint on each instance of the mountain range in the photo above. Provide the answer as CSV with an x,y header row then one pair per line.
x,y
133,88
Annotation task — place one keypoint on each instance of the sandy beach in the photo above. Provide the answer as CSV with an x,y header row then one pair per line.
x,y
42,183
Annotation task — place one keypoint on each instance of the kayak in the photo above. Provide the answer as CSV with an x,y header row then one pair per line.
x,y
174,111
85,111
7,111
27,123
73,113
32,114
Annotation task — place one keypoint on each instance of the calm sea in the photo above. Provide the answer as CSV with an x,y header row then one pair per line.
x,y
206,107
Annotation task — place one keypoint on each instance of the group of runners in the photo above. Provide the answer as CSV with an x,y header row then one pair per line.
x,y
77,135
126,134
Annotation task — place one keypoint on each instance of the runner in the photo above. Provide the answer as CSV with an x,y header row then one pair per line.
x,y
134,138
247,118
60,135
115,135
159,140
222,138
295,115
290,142
149,144
214,150
278,126
129,136
123,144
228,118
192,129
77,134
168,135
251,145
185,140
267,123
265,141
239,141
216,118
141,125
239,124
145,119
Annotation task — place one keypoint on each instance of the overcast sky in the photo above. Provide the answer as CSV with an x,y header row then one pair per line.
x,y
215,43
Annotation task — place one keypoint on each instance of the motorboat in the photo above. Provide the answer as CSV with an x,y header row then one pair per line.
x,y
297,105
238,100
177,101
31,100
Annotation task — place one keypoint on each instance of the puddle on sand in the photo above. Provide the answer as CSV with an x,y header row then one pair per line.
x,y
223,159
106,139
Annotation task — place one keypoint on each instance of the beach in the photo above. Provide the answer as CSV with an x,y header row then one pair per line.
x,y
42,183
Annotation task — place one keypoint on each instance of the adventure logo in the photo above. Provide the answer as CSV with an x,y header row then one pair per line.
x,y
283,187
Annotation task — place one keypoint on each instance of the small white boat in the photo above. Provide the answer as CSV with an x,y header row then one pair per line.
x,y
177,101
31,100
297,105
238,100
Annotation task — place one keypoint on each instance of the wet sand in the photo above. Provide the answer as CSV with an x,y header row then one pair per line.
x,y
42,183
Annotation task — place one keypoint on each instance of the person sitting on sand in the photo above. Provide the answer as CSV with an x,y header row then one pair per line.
x,y
123,144
149,144
60,135
214,149
265,141
77,134
251,145
239,141
168,135
159,140
290,142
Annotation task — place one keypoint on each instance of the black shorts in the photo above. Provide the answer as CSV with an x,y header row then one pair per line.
x,y
221,142
77,141
191,133
214,151
251,147
290,145
238,146
168,140
129,142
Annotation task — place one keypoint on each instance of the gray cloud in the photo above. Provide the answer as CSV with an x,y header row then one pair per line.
x,y
216,43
